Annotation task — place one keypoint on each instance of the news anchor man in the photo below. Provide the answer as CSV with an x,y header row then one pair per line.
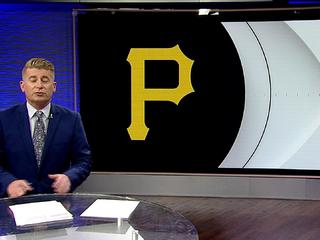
x,y
29,164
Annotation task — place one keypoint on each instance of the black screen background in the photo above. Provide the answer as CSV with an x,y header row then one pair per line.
x,y
193,137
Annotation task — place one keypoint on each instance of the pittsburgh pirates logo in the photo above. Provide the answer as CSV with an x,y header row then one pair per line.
x,y
139,94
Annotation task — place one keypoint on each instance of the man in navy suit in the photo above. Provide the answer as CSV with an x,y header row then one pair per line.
x,y
65,161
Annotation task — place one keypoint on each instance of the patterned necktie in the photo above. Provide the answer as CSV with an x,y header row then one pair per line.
x,y
38,136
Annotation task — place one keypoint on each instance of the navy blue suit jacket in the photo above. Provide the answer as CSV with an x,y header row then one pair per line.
x,y
66,149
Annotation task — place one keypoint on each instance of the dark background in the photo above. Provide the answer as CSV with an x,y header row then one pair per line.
x,y
194,136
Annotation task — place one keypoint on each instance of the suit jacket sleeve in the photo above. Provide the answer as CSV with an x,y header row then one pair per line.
x,y
80,155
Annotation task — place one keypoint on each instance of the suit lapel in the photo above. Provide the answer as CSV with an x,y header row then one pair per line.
x,y
54,120
24,125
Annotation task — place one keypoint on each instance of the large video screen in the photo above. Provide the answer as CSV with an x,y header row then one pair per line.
x,y
168,91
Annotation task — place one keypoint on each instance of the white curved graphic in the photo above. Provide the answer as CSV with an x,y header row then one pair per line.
x,y
257,94
291,136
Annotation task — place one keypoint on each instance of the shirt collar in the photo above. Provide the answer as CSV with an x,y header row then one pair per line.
x,y
32,110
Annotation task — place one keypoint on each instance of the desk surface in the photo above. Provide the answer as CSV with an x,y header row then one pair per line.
x,y
148,221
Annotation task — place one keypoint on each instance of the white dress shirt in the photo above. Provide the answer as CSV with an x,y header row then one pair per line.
x,y
32,117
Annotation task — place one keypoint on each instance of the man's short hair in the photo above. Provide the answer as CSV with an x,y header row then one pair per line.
x,y
39,63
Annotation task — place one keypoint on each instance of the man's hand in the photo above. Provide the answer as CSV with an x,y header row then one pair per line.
x,y
61,183
18,188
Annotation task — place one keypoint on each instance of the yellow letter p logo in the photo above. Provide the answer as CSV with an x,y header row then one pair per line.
x,y
139,94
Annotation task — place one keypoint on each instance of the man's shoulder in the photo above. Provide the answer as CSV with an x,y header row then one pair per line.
x,y
58,109
12,109
10,114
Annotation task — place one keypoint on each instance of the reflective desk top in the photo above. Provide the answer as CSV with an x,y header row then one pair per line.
x,y
148,221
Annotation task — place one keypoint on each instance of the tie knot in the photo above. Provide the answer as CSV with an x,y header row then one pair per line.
x,y
39,114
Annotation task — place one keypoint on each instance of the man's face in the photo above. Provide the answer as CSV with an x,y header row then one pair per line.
x,y
38,86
